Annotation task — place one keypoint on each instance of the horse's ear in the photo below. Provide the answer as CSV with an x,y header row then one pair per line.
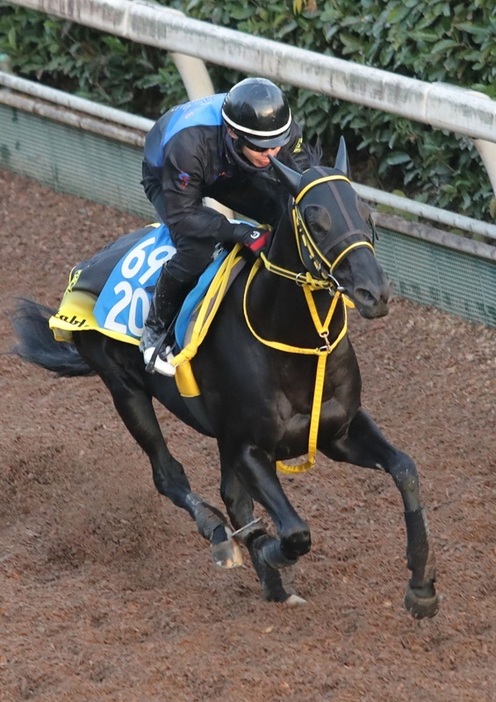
x,y
287,176
342,164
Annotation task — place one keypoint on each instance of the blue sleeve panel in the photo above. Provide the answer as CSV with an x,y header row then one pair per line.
x,y
205,112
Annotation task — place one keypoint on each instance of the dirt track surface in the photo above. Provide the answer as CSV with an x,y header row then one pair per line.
x,y
108,593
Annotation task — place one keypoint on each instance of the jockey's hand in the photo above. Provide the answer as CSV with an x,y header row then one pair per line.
x,y
257,239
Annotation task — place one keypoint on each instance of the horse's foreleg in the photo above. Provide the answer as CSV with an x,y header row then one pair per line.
x,y
249,475
365,445
252,533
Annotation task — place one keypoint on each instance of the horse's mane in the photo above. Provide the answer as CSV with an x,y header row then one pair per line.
x,y
313,153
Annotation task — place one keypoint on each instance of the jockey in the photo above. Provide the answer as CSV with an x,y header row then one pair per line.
x,y
216,147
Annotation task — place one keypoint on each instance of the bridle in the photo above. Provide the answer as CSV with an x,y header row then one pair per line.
x,y
319,273
310,254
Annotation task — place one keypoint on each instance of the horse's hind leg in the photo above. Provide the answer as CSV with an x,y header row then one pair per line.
x,y
169,477
123,377
364,445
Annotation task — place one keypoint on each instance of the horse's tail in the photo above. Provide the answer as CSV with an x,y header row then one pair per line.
x,y
36,343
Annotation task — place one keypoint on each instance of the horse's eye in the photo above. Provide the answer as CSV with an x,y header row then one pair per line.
x,y
318,221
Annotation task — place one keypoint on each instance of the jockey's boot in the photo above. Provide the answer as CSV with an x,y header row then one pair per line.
x,y
167,299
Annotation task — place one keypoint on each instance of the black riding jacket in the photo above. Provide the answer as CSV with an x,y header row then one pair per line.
x,y
189,155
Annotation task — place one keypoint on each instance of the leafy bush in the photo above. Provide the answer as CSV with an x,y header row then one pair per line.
x,y
432,40
89,63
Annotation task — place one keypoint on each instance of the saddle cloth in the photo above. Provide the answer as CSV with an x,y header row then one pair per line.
x,y
111,293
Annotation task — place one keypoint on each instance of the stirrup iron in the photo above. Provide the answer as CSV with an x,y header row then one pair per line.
x,y
154,363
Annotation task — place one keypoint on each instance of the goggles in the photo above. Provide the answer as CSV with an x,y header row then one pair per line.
x,y
254,147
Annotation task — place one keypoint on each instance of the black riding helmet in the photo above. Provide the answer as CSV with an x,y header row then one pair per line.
x,y
258,113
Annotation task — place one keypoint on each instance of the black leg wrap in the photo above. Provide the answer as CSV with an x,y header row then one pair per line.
x,y
270,577
208,518
250,535
420,559
270,551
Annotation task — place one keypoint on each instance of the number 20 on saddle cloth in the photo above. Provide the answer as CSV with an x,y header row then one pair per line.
x,y
111,293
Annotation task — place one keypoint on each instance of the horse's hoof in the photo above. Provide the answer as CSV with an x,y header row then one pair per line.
x,y
421,607
294,601
227,554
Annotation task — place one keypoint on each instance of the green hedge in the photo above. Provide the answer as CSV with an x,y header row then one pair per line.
x,y
433,40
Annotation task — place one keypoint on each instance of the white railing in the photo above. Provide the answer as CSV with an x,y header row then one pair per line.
x,y
191,41
115,124
438,104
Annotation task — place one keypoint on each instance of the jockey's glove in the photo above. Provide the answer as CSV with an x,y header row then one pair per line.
x,y
257,239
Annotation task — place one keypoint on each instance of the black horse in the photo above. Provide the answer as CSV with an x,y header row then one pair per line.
x,y
278,378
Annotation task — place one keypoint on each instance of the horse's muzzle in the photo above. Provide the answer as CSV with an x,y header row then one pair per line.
x,y
372,301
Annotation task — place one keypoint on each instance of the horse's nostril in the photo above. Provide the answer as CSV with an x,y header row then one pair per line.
x,y
365,296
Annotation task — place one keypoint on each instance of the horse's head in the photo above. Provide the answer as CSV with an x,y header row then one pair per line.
x,y
334,233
